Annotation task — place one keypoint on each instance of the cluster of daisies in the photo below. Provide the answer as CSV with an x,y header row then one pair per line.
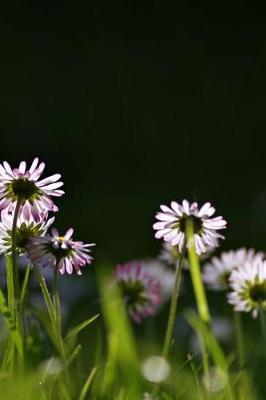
x,y
26,202
147,285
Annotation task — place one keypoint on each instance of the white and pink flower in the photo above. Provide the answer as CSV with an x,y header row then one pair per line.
x,y
171,225
248,287
26,229
22,184
142,292
60,252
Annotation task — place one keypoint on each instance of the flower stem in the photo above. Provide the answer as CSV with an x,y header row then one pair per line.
x,y
200,295
17,300
199,291
14,253
172,312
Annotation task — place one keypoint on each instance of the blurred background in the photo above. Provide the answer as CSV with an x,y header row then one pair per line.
x,y
138,103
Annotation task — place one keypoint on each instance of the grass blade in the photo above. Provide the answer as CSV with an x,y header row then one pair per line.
x,y
87,384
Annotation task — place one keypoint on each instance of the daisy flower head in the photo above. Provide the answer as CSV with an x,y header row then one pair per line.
x,y
142,293
60,252
172,220
26,229
23,185
217,271
248,285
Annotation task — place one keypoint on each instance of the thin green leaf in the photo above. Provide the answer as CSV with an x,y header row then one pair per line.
x,y
88,383
25,284
75,331
46,295
74,355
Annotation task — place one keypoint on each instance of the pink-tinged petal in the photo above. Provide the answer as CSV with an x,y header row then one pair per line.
x,y
160,234
33,165
176,207
69,233
204,209
159,225
55,193
38,171
176,239
50,179
52,186
62,266
26,211
4,202
69,266
165,217
185,205
166,209
214,224
22,167
55,233
2,170
8,168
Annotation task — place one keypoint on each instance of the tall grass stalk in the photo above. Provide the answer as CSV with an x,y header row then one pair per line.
x,y
172,311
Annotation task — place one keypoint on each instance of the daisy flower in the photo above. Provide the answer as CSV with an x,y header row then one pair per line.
x,y
141,291
248,284
217,271
172,224
24,185
26,229
60,252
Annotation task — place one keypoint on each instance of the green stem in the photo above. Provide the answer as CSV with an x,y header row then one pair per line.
x,y
198,287
199,291
17,300
14,253
172,311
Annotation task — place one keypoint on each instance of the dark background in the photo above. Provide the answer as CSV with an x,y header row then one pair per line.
x,y
137,103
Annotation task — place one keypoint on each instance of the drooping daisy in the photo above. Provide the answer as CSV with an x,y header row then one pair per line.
x,y
159,271
172,224
60,252
26,229
216,272
24,185
248,284
141,291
